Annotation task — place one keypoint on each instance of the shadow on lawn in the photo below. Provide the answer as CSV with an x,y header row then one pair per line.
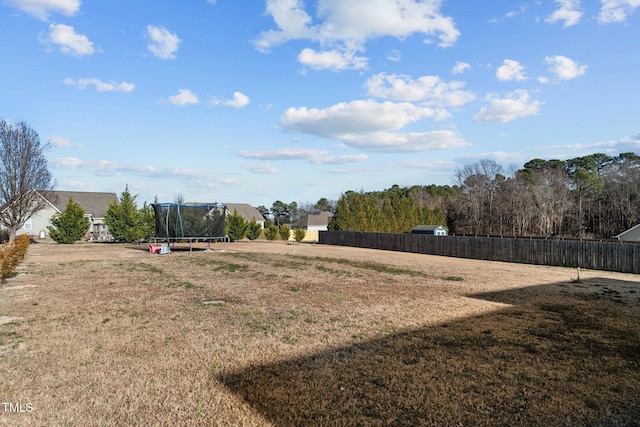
x,y
557,356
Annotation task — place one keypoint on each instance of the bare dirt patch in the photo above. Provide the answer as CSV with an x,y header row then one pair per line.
x,y
104,334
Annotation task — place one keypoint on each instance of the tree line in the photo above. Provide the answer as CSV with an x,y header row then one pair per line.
x,y
593,196
389,211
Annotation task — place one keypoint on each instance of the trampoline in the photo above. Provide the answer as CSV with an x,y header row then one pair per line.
x,y
192,222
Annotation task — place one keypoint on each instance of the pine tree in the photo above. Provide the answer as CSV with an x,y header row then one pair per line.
x,y
285,232
236,226
254,229
123,218
71,225
271,232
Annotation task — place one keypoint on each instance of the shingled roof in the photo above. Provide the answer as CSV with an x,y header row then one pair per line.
x,y
318,219
246,211
94,204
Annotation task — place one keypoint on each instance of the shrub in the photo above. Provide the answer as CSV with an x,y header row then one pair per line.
x,y
236,226
254,229
271,233
285,232
21,244
299,234
71,225
12,254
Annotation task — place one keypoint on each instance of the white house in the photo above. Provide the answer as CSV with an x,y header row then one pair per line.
x,y
631,235
94,204
246,211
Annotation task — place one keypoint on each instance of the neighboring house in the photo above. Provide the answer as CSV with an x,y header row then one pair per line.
x,y
95,207
631,235
432,230
246,211
314,221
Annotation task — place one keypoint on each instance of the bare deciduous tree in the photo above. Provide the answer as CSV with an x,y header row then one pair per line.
x,y
24,173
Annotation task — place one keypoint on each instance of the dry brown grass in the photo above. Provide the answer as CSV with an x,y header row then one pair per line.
x,y
110,335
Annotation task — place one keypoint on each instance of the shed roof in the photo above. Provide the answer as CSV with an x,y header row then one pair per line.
x,y
428,227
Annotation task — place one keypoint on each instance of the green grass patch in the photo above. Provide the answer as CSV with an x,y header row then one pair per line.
x,y
377,267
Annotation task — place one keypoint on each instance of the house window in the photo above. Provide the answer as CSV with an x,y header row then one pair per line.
x,y
28,224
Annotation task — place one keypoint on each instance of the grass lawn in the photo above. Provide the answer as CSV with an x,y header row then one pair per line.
x,y
269,334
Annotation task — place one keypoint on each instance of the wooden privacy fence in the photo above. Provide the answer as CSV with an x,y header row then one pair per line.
x,y
623,257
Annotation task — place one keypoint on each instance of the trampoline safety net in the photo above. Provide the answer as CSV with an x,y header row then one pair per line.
x,y
175,221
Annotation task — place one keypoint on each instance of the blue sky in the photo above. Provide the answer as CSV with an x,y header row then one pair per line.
x,y
255,101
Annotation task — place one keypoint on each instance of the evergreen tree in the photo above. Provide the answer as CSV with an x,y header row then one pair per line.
x,y
285,232
236,226
148,220
253,230
71,225
299,234
124,220
271,232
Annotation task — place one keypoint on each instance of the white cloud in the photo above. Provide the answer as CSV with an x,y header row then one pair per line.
x,y
431,90
391,142
460,67
565,68
340,160
100,85
331,60
515,106
512,13
314,156
370,125
184,97
614,147
344,26
510,70
284,154
261,169
70,42
569,13
616,10
61,142
108,168
347,20
292,22
41,9
211,1
163,44
240,100
394,56
353,118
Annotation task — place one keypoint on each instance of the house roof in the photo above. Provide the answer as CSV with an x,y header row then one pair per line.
x,y
314,219
246,211
94,204
630,232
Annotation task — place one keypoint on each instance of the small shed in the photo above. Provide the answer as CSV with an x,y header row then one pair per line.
x,y
432,230
631,235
